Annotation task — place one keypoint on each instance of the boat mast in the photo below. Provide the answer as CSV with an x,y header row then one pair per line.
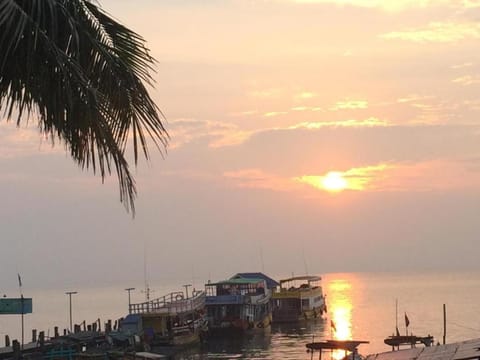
x,y
396,316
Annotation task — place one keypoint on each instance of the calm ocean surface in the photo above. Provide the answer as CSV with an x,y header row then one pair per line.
x,y
361,305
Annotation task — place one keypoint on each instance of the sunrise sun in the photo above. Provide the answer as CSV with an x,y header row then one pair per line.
x,y
334,182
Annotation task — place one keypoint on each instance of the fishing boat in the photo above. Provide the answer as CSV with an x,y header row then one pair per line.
x,y
175,319
298,298
238,305
395,341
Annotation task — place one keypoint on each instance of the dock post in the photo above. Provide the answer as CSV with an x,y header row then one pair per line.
x,y
55,331
41,340
34,335
444,324
17,353
7,341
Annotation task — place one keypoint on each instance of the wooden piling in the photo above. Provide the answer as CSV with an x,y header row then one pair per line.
x,y
7,341
34,335
41,339
55,331
17,353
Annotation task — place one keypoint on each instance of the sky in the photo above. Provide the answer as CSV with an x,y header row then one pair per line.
x,y
307,136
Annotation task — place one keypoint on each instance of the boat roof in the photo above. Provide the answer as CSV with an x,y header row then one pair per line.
x,y
304,277
271,283
465,350
349,345
238,281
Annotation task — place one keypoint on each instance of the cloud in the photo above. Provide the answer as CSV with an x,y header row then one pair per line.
x,y
356,179
443,32
462,66
467,80
393,5
258,179
184,131
350,105
431,175
267,93
305,95
340,123
275,113
23,141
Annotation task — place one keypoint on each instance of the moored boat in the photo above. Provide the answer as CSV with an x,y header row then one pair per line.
x,y
238,305
171,320
409,340
298,298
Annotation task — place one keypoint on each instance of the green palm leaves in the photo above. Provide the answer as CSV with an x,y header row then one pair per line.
x,y
82,75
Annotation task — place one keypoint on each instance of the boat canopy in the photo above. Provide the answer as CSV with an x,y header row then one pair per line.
x,y
238,281
309,278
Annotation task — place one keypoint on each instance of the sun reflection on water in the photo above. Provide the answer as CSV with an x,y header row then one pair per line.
x,y
340,305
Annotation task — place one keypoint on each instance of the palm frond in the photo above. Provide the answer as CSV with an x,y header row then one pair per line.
x,y
84,74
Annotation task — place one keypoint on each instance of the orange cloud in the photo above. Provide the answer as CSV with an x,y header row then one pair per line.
x,y
350,105
258,179
357,179
433,175
467,80
370,122
438,32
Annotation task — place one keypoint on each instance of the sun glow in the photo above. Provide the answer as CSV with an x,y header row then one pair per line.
x,y
356,179
334,181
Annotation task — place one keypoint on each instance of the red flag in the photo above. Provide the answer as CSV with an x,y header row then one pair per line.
x,y
332,325
407,322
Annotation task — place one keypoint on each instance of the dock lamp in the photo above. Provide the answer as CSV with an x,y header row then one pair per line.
x,y
70,293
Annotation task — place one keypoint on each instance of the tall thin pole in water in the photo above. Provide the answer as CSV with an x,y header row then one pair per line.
x,y
396,315
444,324
22,303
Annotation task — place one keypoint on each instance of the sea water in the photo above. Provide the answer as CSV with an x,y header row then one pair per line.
x,y
361,306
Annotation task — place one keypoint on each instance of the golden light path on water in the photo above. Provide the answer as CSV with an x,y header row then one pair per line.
x,y
340,306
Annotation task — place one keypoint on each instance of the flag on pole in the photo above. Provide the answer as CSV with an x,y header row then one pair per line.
x,y
332,325
19,280
407,322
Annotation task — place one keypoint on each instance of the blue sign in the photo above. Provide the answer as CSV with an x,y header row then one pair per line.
x,y
17,306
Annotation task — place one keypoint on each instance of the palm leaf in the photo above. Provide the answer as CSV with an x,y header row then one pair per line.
x,y
83,75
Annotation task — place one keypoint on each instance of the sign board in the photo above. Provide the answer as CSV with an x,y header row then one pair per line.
x,y
14,306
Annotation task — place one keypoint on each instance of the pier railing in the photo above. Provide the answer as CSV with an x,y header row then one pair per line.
x,y
172,303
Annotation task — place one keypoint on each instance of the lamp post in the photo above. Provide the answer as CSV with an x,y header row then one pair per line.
x,y
70,293
129,303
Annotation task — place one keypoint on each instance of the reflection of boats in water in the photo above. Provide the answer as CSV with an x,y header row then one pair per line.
x,y
239,304
298,298
395,341
173,319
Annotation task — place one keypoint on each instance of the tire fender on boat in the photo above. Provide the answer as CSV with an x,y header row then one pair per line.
x,y
179,297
